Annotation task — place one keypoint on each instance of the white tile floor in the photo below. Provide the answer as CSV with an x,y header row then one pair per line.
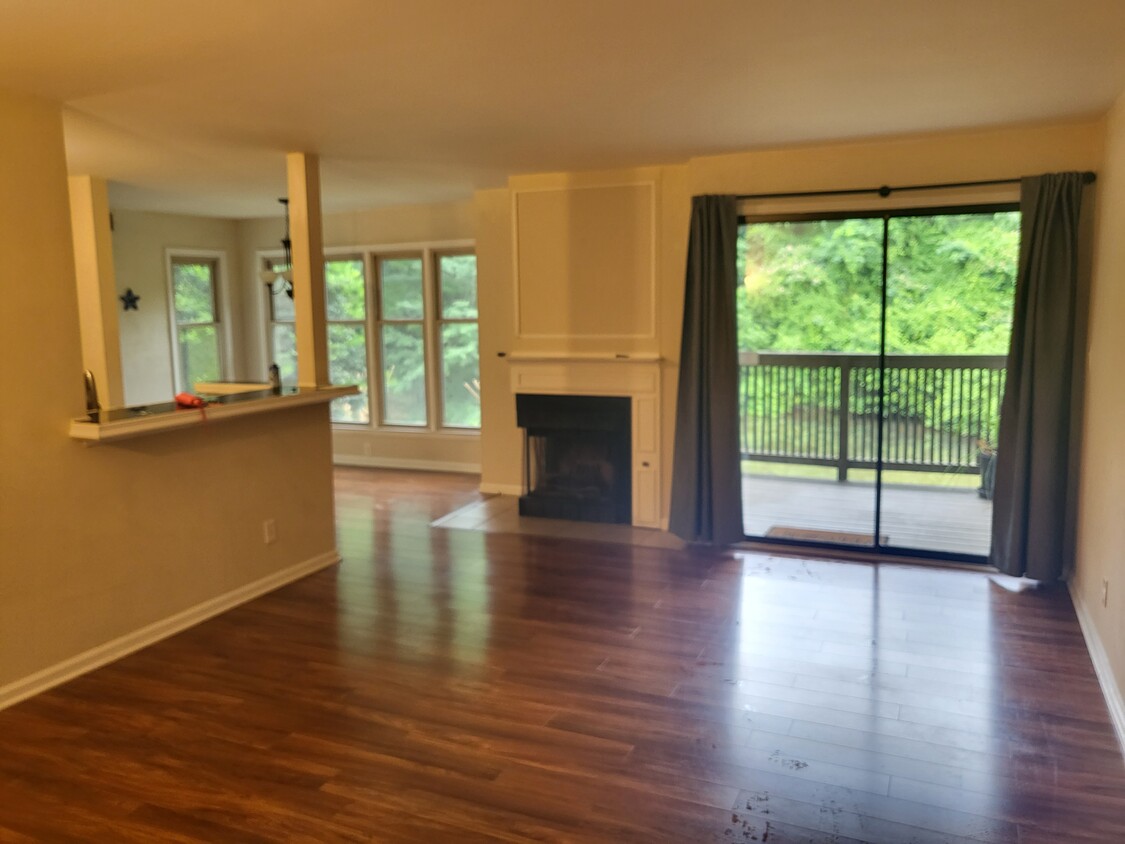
x,y
500,514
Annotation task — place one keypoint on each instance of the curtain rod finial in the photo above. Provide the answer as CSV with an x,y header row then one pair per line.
x,y
884,191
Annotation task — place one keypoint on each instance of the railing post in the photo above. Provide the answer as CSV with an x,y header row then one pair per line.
x,y
844,417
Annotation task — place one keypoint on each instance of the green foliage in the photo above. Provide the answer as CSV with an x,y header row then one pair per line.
x,y
815,286
400,282
401,344
458,279
193,299
193,291
404,368
345,294
199,354
460,343
345,298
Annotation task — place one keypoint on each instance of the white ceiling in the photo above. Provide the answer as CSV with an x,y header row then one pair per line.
x,y
190,105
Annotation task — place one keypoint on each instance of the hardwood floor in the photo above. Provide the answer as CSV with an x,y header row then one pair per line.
x,y
463,686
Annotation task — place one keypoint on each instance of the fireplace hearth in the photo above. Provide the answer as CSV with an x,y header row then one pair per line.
x,y
577,457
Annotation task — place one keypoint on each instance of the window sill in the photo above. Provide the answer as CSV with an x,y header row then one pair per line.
x,y
403,430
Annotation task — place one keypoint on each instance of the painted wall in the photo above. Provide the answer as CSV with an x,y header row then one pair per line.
x,y
140,241
413,224
1101,531
502,229
98,542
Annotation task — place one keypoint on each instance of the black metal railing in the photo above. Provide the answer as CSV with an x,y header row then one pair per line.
x,y
822,408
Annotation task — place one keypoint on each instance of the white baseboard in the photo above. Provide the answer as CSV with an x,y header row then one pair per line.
x,y
501,489
405,463
1110,688
113,650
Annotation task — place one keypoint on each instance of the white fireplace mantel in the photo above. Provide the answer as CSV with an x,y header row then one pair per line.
x,y
636,377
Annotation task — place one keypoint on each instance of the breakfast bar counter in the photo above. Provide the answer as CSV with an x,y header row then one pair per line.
x,y
142,420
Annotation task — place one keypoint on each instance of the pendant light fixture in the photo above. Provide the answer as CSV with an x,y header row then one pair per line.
x,y
270,276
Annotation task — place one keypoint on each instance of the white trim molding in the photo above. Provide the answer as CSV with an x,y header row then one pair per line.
x,y
124,645
501,489
363,460
1114,699
223,317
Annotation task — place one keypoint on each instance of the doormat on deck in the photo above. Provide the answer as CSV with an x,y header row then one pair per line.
x,y
837,537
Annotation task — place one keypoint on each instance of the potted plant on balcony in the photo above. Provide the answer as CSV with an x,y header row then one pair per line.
x,y
986,462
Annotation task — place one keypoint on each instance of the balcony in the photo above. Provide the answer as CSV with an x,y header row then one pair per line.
x,y
823,410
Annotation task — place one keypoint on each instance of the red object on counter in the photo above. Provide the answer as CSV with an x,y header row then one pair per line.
x,y
188,400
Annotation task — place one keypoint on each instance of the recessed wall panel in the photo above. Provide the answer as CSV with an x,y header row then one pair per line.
x,y
584,262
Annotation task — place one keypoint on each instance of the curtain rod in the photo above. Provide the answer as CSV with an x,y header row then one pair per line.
x,y
885,191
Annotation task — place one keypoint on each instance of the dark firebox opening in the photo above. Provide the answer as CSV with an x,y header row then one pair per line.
x,y
577,457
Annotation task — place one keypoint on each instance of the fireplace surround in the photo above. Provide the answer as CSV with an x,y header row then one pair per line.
x,y
636,379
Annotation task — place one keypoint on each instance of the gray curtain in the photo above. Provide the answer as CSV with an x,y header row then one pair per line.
x,y
706,480
1034,507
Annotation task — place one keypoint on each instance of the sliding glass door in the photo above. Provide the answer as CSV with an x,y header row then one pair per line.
x,y
871,367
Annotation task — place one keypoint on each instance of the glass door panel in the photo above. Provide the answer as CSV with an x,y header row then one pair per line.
x,y
950,289
808,328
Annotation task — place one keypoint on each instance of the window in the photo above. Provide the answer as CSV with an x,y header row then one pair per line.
x,y
282,327
872,354
196,344
424,337
345,304
459,344
402,340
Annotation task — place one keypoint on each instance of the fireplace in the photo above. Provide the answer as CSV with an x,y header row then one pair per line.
x,y
577,457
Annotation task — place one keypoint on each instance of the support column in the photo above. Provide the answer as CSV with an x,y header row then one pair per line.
x,y
303,171
97,287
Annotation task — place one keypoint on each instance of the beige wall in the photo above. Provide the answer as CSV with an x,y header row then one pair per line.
x,y
140,242
1101,537
412,224
96,543
503,230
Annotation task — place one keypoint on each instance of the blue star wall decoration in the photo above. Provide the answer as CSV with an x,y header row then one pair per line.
x,y
130,299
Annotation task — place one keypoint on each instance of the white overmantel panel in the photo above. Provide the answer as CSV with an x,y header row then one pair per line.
x,y
636,378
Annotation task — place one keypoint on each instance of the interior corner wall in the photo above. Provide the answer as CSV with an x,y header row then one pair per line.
x,y
99,543
501,457
1101,528
384,227
140,241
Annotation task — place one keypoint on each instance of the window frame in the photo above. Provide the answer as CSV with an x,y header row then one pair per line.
x,y
365,323
379,321
440,322
221,307
430,253
265,261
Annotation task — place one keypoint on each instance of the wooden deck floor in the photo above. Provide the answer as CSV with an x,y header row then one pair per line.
x,y
463,686
929,518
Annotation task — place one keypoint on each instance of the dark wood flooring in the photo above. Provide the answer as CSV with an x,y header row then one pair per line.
x,y
459,686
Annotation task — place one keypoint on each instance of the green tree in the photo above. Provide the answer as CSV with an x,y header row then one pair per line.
x,y
345,305
816,286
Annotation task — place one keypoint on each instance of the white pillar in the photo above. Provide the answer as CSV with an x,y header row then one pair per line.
x,y
97,287
303,171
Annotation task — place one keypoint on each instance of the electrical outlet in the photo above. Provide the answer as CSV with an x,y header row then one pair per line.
x,y
269,531
1105,592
